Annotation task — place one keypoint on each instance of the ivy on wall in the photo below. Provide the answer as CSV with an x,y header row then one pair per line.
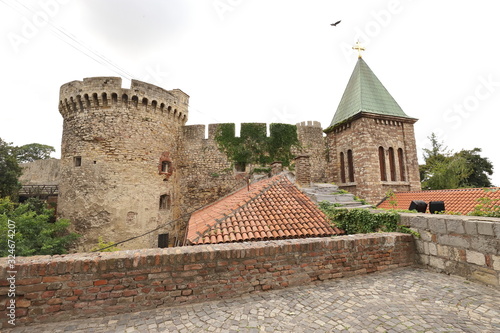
x,y
253,145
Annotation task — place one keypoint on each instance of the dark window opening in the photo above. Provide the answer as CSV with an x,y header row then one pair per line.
x,y
402,173
342,168
240,166
77,161
392,164
163,240
165,202
350,165
381,159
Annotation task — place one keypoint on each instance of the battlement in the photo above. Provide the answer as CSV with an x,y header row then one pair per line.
x,y
309,123
105,92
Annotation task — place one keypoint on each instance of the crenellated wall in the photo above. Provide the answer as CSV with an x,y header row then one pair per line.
x,y
113,145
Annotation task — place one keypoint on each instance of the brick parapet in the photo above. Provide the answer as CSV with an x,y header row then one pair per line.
x,y
55,288
468,246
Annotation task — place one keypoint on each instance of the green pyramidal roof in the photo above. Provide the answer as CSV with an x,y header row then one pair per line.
x,y
365,93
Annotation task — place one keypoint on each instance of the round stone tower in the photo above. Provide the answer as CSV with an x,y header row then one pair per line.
x,y
119,160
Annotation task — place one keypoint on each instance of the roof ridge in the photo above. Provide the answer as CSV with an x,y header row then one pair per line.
x,y
454,189
234,211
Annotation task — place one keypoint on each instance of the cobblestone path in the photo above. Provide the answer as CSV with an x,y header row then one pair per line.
x,y
404,300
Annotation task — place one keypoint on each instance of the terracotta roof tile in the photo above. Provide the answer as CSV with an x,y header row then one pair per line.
x,y
272,208
455,201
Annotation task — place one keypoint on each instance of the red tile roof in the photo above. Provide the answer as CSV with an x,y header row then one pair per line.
x,y
272,208
456,201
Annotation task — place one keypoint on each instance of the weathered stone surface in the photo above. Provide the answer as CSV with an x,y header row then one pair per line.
x,y
486,276
455,226
437,225
476,258
485,228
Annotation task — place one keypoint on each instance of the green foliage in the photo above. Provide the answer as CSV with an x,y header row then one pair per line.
x,y
341,191
253,145
487,207
103,246
356,221
261,170
444,170
10,170
32,152
391,197
361,201
35,234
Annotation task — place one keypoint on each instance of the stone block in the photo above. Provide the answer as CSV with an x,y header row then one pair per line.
x,y
476,258
455,226
485,228
496,229
436,262
457,241
419,222
443,251
432,249
423,259
486,276
437,225
496,263
425,235
470,227
484,244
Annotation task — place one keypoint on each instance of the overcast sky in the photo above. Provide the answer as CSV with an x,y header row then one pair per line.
x,y
259,61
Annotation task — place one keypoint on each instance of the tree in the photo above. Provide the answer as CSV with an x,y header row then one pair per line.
x,y
9,170
32,152
444,170
33,233
481,168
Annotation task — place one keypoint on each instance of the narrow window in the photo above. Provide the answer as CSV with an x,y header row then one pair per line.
x,y
381,159
165,202
77,161
124,99
163,240
104,99
402,173
350,165
165,166
342,168
240,166
135,101
114,98
392,164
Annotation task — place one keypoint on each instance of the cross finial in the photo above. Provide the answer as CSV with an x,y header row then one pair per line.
x,y
359,48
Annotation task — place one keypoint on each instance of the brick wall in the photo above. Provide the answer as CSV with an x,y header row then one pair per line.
x,y
468,246
90,285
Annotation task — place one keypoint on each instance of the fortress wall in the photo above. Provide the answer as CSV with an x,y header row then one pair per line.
x,y
310,135
40,172
87,285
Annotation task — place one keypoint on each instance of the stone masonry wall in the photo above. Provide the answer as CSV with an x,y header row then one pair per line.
x,y
468,246
113,144
364,136
95,284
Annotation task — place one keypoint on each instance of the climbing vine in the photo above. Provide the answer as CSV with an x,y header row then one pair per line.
x,y
253,145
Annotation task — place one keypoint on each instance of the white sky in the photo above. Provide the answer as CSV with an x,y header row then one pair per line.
x,y
258,61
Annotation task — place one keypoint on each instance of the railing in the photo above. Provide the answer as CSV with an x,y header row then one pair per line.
x,y
38,190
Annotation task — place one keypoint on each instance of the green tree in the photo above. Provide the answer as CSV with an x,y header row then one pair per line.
x,y
33,233
9,170
32,152
444,170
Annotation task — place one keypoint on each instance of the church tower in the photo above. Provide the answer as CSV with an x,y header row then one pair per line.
x,y
371,140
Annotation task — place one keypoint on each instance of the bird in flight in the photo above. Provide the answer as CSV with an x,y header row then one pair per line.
x,y
335,24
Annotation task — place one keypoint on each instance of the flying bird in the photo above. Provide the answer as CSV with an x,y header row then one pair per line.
x,y
335,24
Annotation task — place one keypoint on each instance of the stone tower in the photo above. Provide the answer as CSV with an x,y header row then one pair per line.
x,y
371,141
119,155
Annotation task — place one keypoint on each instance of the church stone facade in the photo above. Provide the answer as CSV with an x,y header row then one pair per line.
x,y
130,166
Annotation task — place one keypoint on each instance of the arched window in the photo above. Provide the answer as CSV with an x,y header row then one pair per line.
x,y
392,164
135,101
350,165
342,168
104,97
114,98
401,160
381,160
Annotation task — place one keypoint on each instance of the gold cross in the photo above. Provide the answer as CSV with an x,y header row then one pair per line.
x,y
359,48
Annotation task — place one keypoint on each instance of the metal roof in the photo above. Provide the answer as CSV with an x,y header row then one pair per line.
x,y
365,93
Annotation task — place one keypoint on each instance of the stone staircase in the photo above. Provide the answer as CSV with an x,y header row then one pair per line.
x,y
327,192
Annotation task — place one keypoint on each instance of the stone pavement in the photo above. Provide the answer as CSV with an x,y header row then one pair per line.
x,y
404,300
